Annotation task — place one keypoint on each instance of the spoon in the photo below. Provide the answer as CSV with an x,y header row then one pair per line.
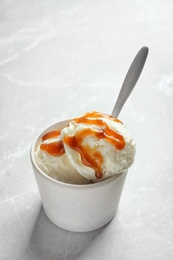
x,y
130,80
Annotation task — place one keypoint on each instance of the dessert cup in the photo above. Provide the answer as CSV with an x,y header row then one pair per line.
x,y
77,207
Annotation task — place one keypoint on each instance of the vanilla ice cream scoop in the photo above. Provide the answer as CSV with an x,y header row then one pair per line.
x,y
98,146
93,147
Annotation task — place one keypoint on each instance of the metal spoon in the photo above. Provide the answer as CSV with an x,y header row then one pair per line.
x,y
130,80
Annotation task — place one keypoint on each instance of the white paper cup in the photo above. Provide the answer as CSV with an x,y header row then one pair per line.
x,y
75,207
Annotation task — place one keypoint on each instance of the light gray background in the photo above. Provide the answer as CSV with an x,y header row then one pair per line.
x,y
59,59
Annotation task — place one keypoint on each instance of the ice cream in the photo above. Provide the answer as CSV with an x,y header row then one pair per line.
x,y
91,148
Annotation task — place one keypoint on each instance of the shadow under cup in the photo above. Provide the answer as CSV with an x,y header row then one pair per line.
x,y
75,207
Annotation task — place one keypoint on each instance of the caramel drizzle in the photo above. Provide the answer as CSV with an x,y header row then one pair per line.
x,y
55,148
90,157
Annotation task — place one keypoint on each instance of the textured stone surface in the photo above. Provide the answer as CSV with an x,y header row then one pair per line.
x,y
59,59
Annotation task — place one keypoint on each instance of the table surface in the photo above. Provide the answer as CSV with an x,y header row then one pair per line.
x,y
60,59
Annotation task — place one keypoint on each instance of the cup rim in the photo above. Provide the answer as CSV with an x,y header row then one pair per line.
x,y
64,184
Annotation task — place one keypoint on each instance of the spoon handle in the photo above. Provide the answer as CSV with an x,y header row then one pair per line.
x,y
130,80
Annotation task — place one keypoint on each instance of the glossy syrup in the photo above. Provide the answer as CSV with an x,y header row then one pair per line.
x,y
90,157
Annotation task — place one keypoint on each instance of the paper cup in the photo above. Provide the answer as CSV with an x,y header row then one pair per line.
x,y
75,207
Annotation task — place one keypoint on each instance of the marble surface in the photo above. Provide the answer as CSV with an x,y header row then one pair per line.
x,y
59,59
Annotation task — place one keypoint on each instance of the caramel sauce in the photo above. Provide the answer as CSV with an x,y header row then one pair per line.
x,y
54,148
90,157
50,135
